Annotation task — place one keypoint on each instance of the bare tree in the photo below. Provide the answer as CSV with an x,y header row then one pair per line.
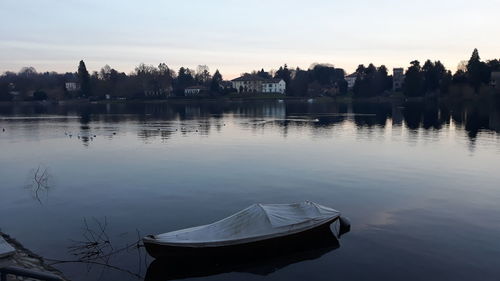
x,y
462,65
203,74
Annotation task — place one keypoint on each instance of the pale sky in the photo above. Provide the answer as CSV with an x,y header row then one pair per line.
x,y
239,36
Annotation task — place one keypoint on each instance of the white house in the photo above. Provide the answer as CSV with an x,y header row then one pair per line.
x,y
351,80
158,93
249,83
276,85
72,86
194,90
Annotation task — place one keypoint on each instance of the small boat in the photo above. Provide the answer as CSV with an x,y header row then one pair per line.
x,y
273,258
256,227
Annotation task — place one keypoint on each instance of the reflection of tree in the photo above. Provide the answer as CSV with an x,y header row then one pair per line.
x,y
424,115
96,249
39,182
201,117
475,121
371,114
85,119
472,116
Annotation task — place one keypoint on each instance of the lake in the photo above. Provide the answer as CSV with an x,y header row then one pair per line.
x,y
419,182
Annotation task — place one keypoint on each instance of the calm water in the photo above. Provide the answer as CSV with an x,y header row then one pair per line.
x,y
420,182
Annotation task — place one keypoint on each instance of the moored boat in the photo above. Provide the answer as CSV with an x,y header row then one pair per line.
x,y
259,226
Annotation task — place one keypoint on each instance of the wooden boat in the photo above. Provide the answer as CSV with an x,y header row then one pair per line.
x,y
255,228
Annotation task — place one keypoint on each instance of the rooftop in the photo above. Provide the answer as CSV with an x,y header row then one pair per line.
x,y
252,77
248,77
273,80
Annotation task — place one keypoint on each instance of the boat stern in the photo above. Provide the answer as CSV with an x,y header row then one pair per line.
x,y
344,225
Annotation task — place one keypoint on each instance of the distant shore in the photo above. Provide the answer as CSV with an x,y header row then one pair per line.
x,y
233,98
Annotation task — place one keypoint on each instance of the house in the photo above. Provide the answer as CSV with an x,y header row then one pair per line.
x,y
351,80
276,85
159,93
194,90
398,78
72,86
495,79
226,85
250,83
15,95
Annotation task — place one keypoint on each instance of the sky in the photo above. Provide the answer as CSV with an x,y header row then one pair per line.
x,y
241,36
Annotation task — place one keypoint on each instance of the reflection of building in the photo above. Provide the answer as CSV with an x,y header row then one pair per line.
x,y
495,80
255,84
351,80
398,78
494,122
194,90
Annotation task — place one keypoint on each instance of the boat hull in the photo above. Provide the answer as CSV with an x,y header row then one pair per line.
x,y
291,241
259,261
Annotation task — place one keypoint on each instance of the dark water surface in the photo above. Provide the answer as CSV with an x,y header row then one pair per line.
x,y
420,182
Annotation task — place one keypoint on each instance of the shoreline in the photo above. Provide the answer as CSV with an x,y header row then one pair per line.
x,y
341,99
25,258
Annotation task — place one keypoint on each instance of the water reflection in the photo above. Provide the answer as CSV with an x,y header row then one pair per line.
x,y
40,180
163,120
262,262
205,160
96,250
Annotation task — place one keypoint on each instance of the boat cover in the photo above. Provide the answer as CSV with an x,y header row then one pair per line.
x,y
257,222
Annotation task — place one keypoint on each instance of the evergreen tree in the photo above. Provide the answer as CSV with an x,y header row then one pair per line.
x,y
84,78
446,81
494,65
382,81
184,79
216,80
5,92
477,71
285,74
165,77
433,73
371,81
413,84
460,77
299,84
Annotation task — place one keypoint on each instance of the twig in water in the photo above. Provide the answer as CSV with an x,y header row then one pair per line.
x,y
96,249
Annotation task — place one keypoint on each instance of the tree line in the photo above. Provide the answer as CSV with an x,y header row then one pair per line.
x,y
148,81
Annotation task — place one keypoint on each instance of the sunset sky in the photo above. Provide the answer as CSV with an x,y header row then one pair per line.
x,y
239,36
